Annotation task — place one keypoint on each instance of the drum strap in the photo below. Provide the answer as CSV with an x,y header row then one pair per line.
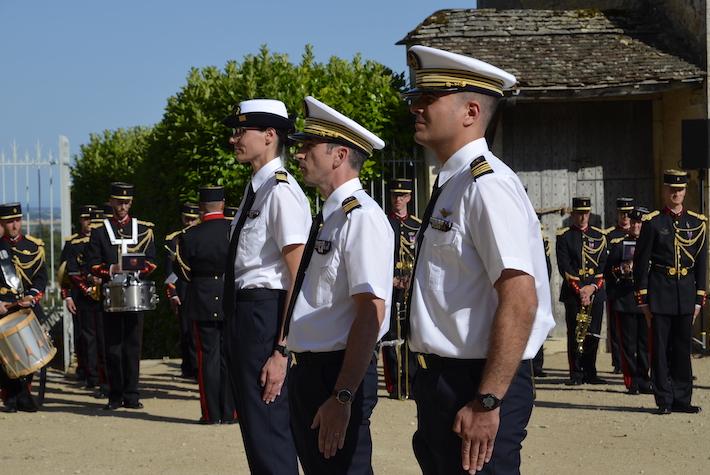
x,y
9,272
122,242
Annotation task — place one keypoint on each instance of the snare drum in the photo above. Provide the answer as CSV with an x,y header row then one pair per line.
x,y
24,346
129,295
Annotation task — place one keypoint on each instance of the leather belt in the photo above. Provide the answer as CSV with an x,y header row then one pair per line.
x,y
589,271
675,272
431,361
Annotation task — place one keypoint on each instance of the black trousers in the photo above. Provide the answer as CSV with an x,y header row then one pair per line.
x,y
538,361
11,389
585,365
188,353
612,317
672,372
79,344
250,342
633,334
124,336
313,379
88,311
216,399
444,388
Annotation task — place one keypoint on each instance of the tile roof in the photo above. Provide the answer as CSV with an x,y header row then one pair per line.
x,y
565,52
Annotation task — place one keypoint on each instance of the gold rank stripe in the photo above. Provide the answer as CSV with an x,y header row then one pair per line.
x,y
447,78
350,204
281,176
325,128
481,169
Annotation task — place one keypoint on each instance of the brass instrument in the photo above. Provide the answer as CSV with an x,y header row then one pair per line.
x,y
583,320
95,292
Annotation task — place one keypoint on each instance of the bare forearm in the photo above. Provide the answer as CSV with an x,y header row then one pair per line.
x,y
361,343
511,328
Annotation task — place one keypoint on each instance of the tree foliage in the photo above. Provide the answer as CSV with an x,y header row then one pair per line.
x,y
189,146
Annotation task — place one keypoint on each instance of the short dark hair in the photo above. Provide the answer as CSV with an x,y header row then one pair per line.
x,y
489,104
357,157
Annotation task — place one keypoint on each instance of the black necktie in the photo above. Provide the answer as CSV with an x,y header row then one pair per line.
x,y
435,192
228,300
301,274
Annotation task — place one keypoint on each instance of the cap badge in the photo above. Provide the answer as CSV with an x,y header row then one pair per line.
x,y
413,60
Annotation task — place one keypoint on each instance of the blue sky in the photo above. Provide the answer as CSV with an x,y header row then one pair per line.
x,y
81,66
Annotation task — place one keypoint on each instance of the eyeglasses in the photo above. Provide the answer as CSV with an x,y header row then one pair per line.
x,y
239,131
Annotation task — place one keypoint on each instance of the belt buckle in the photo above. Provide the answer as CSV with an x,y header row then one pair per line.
x,y
422,361
672,271
684,271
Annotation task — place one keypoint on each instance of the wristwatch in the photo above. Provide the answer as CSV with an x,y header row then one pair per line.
x,y
343,396
488,401
283,350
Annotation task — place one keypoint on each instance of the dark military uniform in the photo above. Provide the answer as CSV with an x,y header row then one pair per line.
x,y
581,257
670,272
399,376
631,327
200,258
28,256
539,360
90,354
177,287
612,316
123,330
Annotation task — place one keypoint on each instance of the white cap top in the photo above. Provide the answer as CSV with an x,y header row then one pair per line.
x,y
268,106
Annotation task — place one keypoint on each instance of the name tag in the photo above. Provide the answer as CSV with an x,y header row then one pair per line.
x,y
440,224
322,247
253,213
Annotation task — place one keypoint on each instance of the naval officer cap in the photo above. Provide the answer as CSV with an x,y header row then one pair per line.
x,y
675,178
10,211
260,113
326,124
121,190
437,71
211,193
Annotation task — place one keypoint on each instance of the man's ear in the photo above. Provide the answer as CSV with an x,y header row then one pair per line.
x,y
472,111
341,154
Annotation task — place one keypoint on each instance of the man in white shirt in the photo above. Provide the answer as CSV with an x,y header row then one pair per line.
x,y
267,238
342,309
480,299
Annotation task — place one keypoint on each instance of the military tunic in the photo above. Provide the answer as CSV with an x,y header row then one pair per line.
x,y
670,272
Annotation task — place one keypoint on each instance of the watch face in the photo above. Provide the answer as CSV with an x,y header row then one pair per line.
x,y
344,396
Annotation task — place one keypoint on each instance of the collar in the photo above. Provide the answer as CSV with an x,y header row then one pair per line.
x,y
399,218
668,211
212,216
123,222
13,241
335,200
265,172
462,158
581,230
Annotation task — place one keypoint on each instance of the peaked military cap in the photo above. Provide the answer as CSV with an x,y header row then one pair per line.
x,y
260,113
437,70
638,213
85,211
10,211
211,193
624,204
190,210
121,190
401,185
581,203
230,212
108,211
675,178
326,124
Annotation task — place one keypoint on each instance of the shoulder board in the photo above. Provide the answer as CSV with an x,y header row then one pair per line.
x,y
650,216
617,240
146,223
350,204
609,229
598,229
96,225
561,231
80,240
35,240
72,237
480,167
171,236
281,176
415,218
701,217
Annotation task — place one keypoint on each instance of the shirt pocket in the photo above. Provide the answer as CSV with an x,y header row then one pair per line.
x,y
251,239
443,265
327,268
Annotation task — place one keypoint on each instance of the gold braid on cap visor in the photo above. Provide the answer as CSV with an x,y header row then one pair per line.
x,y
325,128
449,78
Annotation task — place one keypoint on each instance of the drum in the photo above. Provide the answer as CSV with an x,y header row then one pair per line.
x,y
24,345
129,295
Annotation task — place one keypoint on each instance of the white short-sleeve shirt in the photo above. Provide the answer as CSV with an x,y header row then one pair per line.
x,y
480,226
354,254
280,216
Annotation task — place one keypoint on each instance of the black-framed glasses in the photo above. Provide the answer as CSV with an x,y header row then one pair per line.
x,y
239,131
